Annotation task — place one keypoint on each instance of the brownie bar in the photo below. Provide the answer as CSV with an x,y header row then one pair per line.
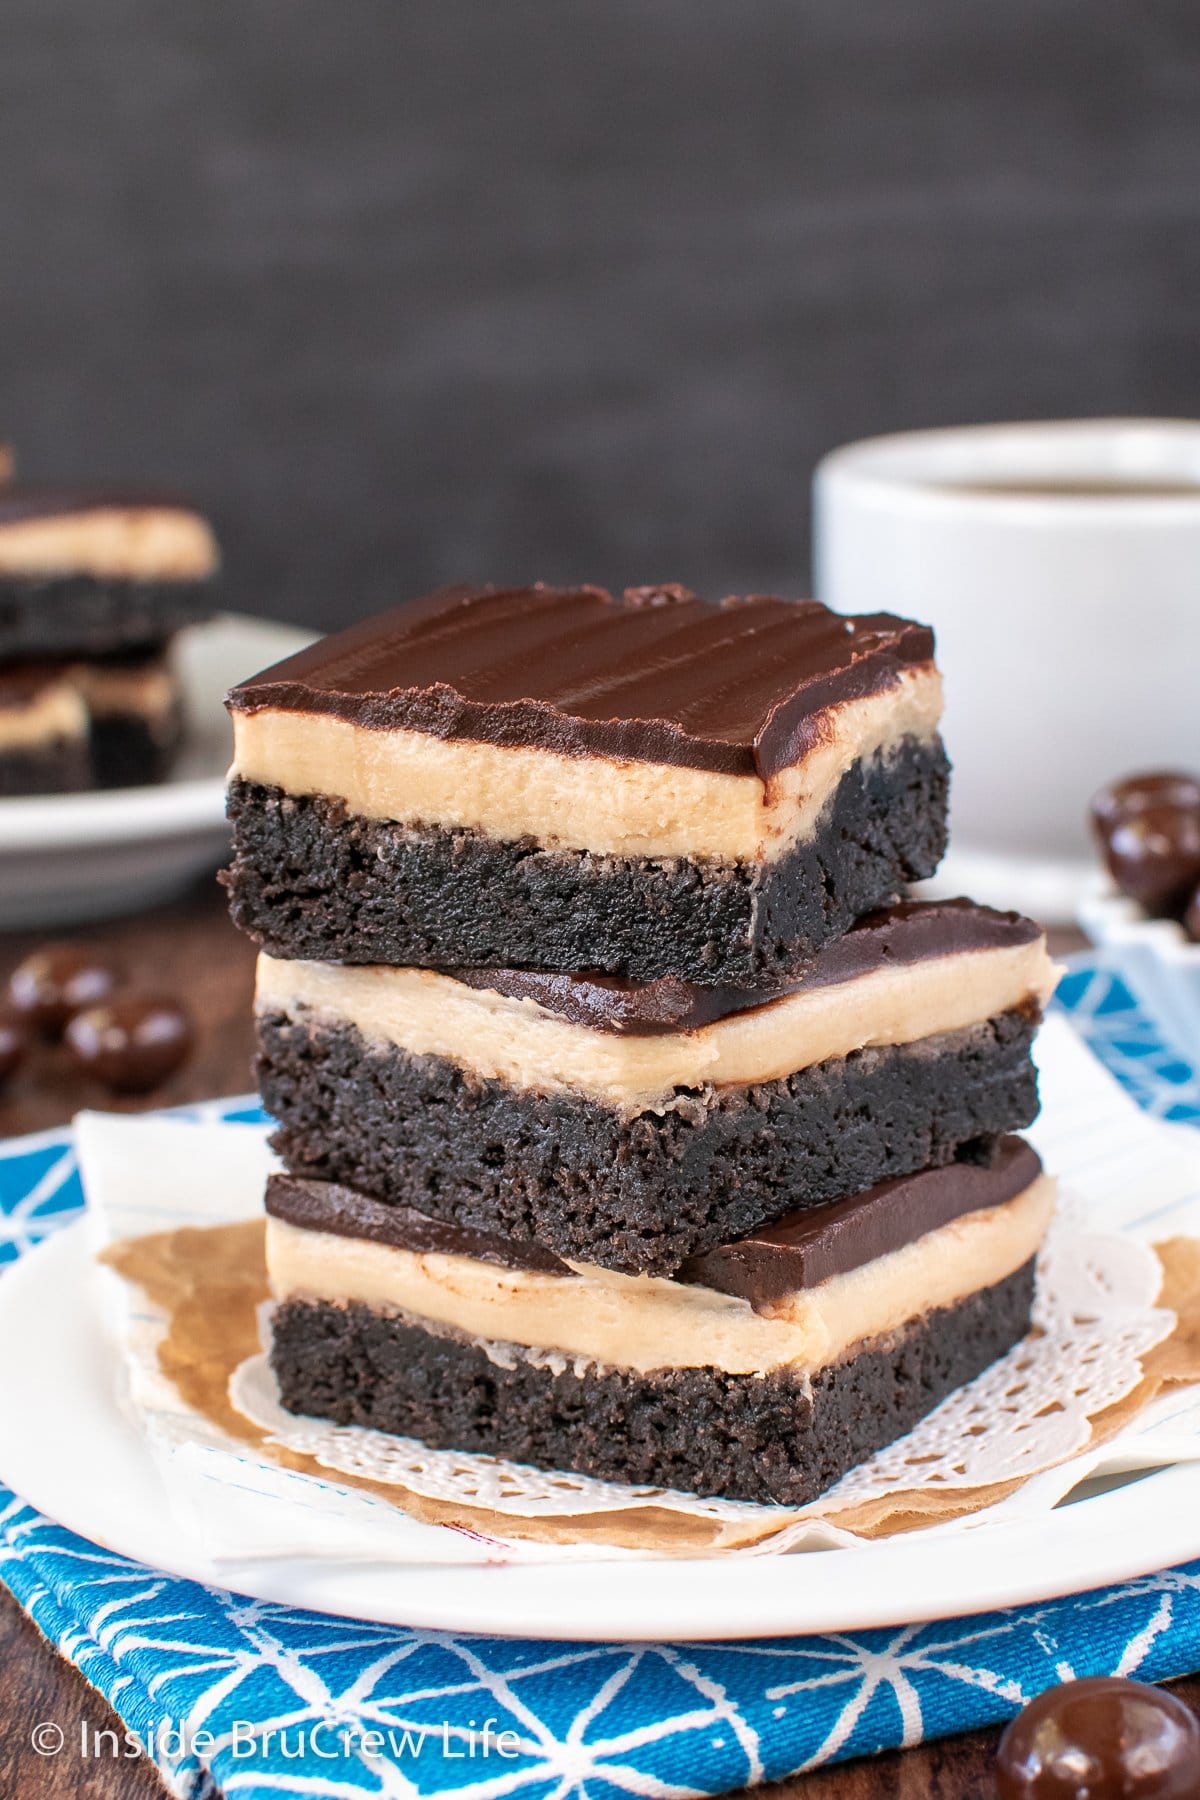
x,y
643,785
639,1194
311,880
69,724
779,1437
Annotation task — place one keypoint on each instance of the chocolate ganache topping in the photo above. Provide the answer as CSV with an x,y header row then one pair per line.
x,y
344,1212
908,932
737,686
805,1248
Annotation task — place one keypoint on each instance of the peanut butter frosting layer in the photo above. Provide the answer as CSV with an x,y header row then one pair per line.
x,y
109,533
39,707
648,1322
514,1039
563,800
739,686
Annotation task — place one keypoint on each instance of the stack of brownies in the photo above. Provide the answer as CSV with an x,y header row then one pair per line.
x,y
94,583
632,1124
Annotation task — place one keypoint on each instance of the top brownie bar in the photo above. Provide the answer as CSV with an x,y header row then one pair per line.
x,y
99,571
645,785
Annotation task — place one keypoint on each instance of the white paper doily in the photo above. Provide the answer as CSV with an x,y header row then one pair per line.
x,y
1096,1318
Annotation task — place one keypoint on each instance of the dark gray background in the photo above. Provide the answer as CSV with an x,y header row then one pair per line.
x,y
411,292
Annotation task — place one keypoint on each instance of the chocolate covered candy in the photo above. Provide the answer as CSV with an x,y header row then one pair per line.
x,y
1101,1739
1149,830
1159,787
131,1044
54,983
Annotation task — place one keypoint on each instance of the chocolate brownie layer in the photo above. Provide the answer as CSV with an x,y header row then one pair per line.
x,y
641,1194
310,879
129,751
780,1437
61,767
87,615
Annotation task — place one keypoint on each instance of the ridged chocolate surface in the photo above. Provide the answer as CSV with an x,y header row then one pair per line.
x,y
806,1248
906,933
24,501
655,675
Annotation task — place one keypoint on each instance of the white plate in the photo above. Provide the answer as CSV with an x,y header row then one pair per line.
x,y
66,1448
66,858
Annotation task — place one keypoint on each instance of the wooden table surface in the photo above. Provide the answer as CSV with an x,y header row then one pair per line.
x,y
190,950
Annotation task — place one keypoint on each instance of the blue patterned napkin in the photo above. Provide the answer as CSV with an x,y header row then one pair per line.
x,y
239,1697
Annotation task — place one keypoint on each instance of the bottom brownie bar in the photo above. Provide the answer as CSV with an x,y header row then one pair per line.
x,y
782,1436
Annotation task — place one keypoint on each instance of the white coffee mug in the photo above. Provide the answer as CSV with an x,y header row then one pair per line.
x,y
1060,567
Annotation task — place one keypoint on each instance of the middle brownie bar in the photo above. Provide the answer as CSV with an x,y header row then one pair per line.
x,y
635,1126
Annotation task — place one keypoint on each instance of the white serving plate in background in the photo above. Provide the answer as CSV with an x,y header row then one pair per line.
x,y
69,858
